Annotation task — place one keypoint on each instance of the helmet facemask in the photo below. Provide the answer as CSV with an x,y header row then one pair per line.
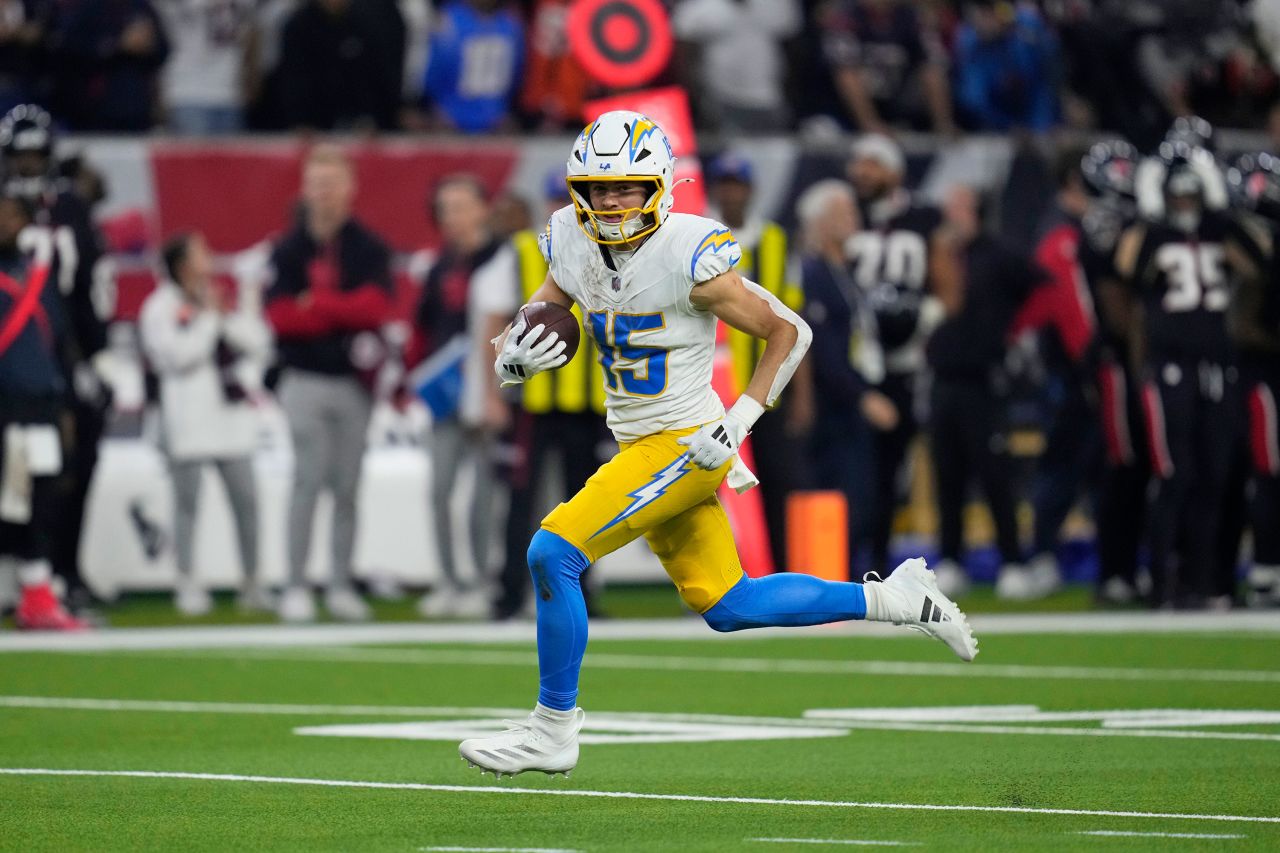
x,y
1181,186
636,223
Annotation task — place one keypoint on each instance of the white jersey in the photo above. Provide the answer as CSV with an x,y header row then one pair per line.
x,y
655,346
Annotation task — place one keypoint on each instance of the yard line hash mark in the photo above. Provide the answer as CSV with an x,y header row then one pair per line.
x,y
499,849
1113,833
619,795
852,842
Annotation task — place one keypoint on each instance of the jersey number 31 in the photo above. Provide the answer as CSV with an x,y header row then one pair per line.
x,y
641,370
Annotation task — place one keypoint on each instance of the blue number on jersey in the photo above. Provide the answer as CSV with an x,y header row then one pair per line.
x,y
646,375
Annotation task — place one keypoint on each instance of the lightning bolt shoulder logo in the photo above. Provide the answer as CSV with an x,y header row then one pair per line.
x,y
657,486
720,238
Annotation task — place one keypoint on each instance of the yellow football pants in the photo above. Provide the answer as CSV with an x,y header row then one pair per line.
x,y
650,489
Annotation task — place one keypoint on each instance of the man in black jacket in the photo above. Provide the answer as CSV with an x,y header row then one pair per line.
x,y
331,296
966,355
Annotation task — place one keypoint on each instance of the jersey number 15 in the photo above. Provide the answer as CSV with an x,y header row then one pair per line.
x,y
641,371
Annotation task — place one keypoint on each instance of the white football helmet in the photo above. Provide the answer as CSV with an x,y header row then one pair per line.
x,y
621,146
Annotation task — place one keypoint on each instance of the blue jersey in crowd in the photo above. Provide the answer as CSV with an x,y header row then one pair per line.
x,y
1008,81
474,65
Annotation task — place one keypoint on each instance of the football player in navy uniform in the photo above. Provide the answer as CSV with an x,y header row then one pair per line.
x,y
911,286
1254,181
29,169
1109,169
1180,266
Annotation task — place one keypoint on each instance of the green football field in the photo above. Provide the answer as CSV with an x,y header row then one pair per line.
x,y
1109,734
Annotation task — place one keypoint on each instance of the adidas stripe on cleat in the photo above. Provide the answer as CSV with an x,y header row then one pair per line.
x,y
910,597
534,744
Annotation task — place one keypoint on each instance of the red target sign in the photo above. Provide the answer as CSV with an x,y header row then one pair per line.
x,y
620,42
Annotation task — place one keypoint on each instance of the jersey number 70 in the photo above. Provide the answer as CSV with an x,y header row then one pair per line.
x,y
641,370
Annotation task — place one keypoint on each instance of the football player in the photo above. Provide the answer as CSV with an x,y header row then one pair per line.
x,y
1179,265
30,171
651,285
1254,181
1109,169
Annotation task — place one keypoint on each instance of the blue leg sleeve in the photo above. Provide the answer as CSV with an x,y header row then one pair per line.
x,y
557,567
786,599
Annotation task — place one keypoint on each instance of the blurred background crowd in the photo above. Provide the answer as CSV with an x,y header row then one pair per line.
x,y
1037,277
759,66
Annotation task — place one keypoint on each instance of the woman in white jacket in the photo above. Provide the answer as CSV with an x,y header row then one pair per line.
x,y
209,360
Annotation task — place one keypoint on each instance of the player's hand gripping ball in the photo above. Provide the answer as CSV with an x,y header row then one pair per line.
x,y
544,336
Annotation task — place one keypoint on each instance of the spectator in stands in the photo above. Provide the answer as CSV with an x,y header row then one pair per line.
x,y
32,386
209,357
105,58
331,294
555,83
1006,68
475,59
262,90
969,408
468,297
845,353
888,67
741,69
333,71
510,215
777,441
22,30
211,65
1179,39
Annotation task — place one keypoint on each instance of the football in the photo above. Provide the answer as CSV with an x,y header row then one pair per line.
x,y
557,319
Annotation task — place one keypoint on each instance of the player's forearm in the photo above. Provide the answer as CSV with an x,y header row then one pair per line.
x,y
778,346
787,340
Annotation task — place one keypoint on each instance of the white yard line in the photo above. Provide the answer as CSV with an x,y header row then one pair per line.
x,y
852,842
62,703
500,849
289,710
1117,834
688,628
795,666
1062,731
620,795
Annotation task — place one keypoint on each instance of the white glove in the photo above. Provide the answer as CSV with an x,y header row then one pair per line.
x,y
526,356
717,442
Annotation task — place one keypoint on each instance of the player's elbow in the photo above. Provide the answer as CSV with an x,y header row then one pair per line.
x,y
804,337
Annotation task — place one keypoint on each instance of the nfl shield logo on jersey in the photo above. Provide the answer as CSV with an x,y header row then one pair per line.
x,y
617,283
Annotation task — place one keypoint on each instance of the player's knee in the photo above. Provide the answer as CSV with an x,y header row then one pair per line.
x,y
726,614
552,557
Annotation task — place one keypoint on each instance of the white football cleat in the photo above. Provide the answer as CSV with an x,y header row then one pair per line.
x,y
910,597
1046,576
255,599
438,604
1016,583
345,605
297,605
192,599
534,744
